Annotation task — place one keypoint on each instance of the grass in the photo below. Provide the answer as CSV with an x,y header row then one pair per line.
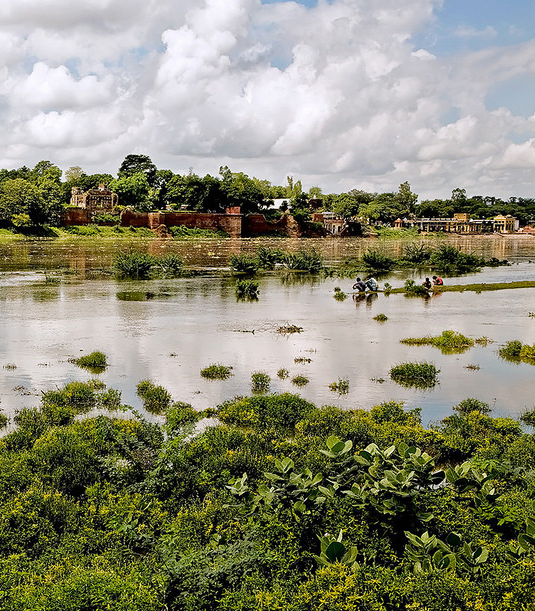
x,y
300,380
260,382
416,290
302,360
303,261
10,366
216,372
183,233
473,367
476,287
373,260
283,373
247,289
94,362
447,341
339,295
243,264
381,318
417,375
156,399
341,386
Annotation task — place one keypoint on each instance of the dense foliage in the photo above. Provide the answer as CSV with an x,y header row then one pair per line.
x,y
32,198
282,505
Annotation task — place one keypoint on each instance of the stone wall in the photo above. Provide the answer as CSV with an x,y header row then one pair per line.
x,y
230,223
75,216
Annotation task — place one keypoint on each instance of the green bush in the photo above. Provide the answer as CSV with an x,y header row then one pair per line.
x,y
171,265
373,260
419,375
243,264
156,399
260,382
448,259
268,257
216,372
247,289
416,253
134,265
94,362
415,290
303,260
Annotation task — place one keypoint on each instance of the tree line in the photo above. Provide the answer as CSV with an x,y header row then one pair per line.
x,y
39,196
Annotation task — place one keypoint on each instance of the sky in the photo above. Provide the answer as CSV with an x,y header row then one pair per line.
x,y
340,94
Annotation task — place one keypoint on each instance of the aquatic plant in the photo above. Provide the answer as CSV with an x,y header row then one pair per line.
x,y
4,420
246,289
216,372
528,417
381,317
339,295
511,350
448,259
467,406
300,380
260,382
269,257
283,373
303,260
156,399
473,367
341,386
243,264
79,396
447,341
286,329
171,265
95,362
302,359
419,375
10,366
416,253
134,265
373,260
416,290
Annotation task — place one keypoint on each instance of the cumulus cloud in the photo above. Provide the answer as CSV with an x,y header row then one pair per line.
x,y
336,95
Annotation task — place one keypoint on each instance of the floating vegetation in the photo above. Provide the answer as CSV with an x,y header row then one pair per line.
x,y
448,342
473,367
531,314
170,265
289,329
341,386
247,289
94,362
381,318
528,417
378,380
516,351
302,359
416,253
52,279
300,380
339,295
140,265
418,375
283,373
216,372
483,341
260,382
467,406
4,420
10,366
156,399
449,259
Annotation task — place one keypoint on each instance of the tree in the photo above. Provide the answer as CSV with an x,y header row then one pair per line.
x,y
74,173
240,190
385,208
138,164
133,191
19,196
406,198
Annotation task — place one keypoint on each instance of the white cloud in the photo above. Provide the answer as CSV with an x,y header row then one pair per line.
x,y
335,95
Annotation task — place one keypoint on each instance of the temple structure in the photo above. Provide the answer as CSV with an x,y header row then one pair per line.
x,y
462,223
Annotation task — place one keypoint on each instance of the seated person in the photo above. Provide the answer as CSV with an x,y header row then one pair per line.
x,y
371,283
427,283
437,281
359,286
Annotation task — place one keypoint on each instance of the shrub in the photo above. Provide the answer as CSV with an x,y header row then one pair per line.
x,y
243,264
77,395
134,265
171,265
94,362
448,259
3,421
247,289
472,405
216,372
304,260
268,257
300,380
260,382
419,375
178,416
376,261
156,399
511,350
381,318
416,253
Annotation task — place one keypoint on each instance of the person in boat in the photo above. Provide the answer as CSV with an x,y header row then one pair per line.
x,y
427,283
360,286
437,281
371,284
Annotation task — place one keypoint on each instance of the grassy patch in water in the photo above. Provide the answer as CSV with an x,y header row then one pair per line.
x,y
381,318
300,380
517,352
418,375
447,341
283,373
247,289
156,399
260,382
287,329
216,372
341,386
94,362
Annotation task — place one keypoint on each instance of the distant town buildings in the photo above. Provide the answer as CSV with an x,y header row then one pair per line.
x,y
95,201
462,223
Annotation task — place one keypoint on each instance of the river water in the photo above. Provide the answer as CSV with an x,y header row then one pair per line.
x,y
168,330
